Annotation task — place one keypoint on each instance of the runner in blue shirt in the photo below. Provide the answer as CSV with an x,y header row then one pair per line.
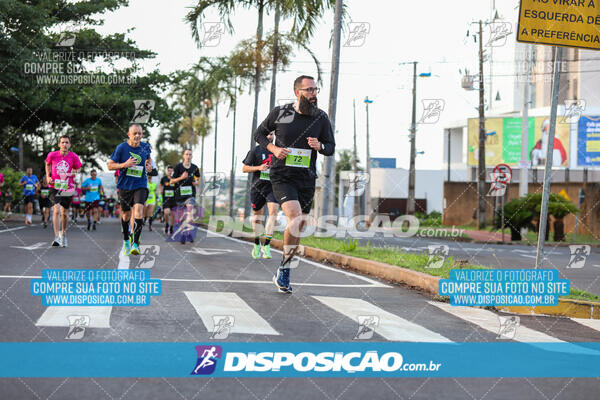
x,y
30,184
93,190
132,159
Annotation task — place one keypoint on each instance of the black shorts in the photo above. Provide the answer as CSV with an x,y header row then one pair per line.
x,y
91,205
127,198
285,190
258,198
45,202
56,198
29,199
169,202
75,206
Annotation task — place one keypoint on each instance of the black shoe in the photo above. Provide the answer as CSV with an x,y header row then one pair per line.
x,y
88,227
45,225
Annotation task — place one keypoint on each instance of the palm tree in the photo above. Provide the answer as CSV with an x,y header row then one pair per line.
x,y
303,11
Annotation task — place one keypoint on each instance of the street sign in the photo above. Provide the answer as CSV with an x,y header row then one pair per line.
x,y
503,173
571,23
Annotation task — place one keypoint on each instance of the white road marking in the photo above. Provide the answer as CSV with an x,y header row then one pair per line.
x,y
59,316
313,263
123,261
208,252
590,323
246,320
13,229
527,255
37,246
391,326
489,321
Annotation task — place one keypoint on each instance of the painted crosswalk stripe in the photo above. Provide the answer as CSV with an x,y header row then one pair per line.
x,y
58,316
246,320
391,327
590,323
489,321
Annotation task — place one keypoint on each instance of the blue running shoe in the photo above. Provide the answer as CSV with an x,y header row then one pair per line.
x,y
126,247
282,280
135,250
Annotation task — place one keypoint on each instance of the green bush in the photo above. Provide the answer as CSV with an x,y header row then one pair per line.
x,y
11,180
517,215
434,218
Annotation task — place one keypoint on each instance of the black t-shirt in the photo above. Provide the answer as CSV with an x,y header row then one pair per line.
x,y
184,185
258,156
291,131
167,187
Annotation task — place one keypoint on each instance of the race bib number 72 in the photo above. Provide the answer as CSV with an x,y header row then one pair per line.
x,y
298,158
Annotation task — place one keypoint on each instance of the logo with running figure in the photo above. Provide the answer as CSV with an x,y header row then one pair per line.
x,y
207,359
579,254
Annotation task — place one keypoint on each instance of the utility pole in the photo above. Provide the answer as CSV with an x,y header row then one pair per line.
x,y
368,209
524,165
214,197
356,208
481,166
410,206
327,196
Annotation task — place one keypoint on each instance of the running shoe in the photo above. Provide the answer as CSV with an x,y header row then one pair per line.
x,y
63,240
56,242
89,225
45,225
282,280
135,250
256,251
126,247
266,251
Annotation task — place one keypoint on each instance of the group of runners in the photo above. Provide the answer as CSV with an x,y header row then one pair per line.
x,y
283,168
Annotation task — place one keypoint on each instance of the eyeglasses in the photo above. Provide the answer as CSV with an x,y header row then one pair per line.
x,y
311,89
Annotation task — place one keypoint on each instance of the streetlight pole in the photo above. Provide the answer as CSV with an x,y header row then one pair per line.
x,y
481,165
368,209
232,175
410,206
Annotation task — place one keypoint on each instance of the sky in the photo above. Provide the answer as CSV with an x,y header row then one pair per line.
x,y
433,33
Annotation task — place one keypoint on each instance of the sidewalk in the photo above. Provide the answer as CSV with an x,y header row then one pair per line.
x,y
489,237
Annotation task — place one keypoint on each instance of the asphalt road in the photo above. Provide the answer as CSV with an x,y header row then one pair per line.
x,y
216,276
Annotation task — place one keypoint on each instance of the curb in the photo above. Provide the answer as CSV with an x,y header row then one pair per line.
x,y
426,283
566,308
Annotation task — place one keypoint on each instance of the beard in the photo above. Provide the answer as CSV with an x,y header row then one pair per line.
x,y
308,107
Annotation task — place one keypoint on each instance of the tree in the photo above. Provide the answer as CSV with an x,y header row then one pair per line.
x,y
93,106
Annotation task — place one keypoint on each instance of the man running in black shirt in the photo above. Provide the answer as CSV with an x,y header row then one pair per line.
x,y
168,195
186,176
301,130
257,162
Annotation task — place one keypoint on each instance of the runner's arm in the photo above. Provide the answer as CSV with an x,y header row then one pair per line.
x,y
326,138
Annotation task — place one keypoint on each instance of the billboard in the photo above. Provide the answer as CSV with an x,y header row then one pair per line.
x,y
588,141
503,141
383,162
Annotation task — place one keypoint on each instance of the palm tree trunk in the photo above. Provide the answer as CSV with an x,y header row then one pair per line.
x,y
275,58
257,75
